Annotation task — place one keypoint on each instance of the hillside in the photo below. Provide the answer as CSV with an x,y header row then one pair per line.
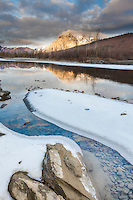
x,y
71,38
118,47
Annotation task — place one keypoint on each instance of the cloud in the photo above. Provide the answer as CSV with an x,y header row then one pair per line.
x,y
94,11
83,5
6,6
43,9
1,42
91,13
117,7
20,42
62,2
115,17
28,29
26,21
51,9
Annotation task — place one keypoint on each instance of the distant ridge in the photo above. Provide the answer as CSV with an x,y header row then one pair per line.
x,y
16,50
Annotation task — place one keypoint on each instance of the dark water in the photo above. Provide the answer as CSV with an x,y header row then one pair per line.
x,y
107,83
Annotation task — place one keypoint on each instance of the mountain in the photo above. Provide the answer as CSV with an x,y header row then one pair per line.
x,y
117,48
71,38
17,50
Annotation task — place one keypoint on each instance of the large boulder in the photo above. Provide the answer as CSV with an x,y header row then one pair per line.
x,y
67,174
22,187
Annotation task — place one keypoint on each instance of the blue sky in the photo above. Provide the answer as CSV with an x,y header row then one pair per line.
x,y
37,23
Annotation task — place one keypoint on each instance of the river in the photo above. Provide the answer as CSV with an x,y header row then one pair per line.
x,y
20,78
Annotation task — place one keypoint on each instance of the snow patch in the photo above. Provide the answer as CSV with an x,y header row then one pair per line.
x,y
88,115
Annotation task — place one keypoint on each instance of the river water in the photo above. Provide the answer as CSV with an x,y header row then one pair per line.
x,y
19,78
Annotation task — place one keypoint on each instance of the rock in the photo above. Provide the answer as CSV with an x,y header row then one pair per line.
x,y
120,173
125,190
119,189
26,123
122,185
3,105
22,187
130,186
4,95
123,113
1,134
73,165
66,174
123,197
131,196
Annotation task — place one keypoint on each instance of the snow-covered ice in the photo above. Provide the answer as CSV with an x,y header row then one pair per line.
x,y
103,66
105,120
19,152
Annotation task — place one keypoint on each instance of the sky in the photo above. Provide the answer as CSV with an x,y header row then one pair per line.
x,y
37,23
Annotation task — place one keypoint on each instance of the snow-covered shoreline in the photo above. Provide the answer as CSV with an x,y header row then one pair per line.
x,y
72,64
107,121
25,153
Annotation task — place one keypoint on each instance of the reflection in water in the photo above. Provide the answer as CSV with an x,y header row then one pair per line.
x,y
89,80
97,81
72,77
122,76
68,76
4,65
110,74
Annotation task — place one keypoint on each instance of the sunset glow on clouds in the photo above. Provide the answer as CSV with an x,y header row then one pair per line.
x,y
37,23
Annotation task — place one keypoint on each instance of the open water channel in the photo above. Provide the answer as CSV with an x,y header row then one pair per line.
x,y
20,78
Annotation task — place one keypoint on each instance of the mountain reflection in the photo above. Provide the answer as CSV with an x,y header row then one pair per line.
x,y
69,76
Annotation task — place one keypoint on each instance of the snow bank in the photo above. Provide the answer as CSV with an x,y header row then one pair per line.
x,y
19,152
103,66
105,120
